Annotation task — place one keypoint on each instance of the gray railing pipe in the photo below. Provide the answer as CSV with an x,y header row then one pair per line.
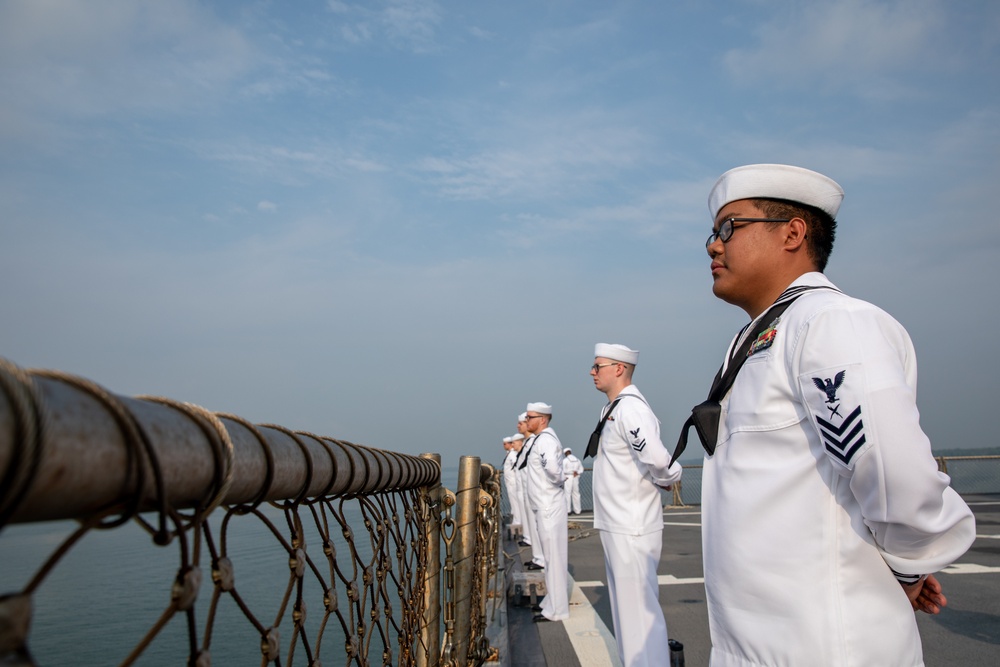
x,y
97,450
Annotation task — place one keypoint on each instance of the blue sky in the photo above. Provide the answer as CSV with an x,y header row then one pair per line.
x,y
397,222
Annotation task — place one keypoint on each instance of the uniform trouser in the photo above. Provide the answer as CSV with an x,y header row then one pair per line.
x,y
554,535
572,489
531,526
640,627
516,511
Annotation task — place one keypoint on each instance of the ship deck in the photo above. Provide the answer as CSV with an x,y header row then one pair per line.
x,y
967,632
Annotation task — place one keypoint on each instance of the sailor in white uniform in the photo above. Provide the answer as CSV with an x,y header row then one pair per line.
x,y
572,469
511,487
631,465
824,513
545,495
537,560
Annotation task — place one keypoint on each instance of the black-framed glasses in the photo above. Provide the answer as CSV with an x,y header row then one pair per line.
x,y
530,417
597,367
727,228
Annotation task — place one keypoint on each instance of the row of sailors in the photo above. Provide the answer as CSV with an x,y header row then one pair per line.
x,y
631,467
824,515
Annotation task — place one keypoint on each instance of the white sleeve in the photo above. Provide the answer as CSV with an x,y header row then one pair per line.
x,y
641,430
856,375
551,455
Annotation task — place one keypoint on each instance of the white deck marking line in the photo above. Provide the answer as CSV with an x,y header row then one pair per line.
x,y
592,642
663,579
969,568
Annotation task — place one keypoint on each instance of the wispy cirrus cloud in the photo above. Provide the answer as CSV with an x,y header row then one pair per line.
x,y
410,25
856,46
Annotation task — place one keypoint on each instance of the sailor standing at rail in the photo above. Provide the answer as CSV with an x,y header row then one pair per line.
x,y
510,481
516,444
631,465
537,560
548,502
572,469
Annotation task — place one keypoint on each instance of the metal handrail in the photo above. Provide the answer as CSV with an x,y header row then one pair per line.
x,y
98,450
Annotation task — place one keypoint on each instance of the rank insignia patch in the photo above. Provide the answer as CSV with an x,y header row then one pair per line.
x,y
765,339
637,444
836,409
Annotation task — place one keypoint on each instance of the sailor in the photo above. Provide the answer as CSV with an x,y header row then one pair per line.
x,y
530,538
572,469
547,501
511,488
631,465
824,513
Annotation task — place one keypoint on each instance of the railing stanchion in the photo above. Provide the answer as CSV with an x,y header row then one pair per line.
x,y
429,645
466,535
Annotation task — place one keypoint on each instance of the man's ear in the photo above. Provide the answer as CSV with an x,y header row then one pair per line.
x,y
795,234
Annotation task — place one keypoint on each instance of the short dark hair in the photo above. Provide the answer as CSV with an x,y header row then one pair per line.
x,y
821,227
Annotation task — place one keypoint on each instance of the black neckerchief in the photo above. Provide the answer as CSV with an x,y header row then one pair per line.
x,y
526,450
595,437
705,416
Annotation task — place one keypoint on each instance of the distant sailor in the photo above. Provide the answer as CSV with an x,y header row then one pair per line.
x,y
545,494
631,465
511,487
572,469
824,513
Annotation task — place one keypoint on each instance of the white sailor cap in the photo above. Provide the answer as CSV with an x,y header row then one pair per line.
x,y
523,417
616,352
776,181
516,437
508,440
567,450
540,408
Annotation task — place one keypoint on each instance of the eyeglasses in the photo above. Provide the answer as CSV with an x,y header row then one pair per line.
x,y
727,228
597,367
530,417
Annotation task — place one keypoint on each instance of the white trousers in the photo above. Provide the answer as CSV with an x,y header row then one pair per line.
x,y
554,535
640,627
572,489
531,526
516,508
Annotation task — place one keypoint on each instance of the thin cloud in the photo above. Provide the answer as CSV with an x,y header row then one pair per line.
x,y
409,25
114,56
857,46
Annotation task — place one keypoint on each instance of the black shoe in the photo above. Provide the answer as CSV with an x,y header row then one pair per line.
x,y
536,607
532,565
522,543
538,618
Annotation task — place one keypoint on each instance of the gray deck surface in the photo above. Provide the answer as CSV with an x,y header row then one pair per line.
x,y
967,632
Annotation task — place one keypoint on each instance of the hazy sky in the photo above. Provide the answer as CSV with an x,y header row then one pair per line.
x,y
396,222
